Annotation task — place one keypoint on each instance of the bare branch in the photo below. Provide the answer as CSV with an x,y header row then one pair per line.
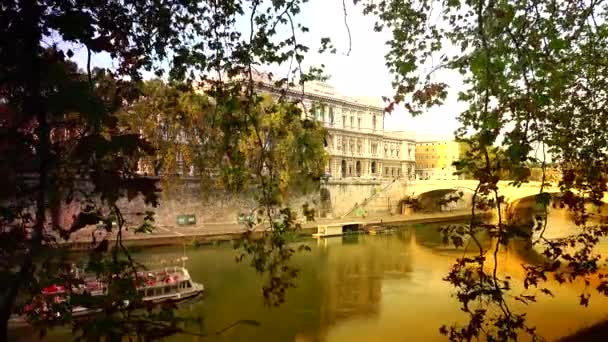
x,y
347,28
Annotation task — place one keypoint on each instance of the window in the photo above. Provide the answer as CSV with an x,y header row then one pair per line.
x,y
352,122
386,170
343,121
331,115
359,123
373,167
322,113
374,122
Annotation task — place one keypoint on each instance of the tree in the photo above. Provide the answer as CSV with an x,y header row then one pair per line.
x,y
179,123
62,143
534,73
269,146
67,152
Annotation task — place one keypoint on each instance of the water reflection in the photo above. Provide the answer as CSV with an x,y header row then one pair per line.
x,y
359,288
352,274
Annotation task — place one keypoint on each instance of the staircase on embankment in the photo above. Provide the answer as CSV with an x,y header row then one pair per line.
x,y
384,202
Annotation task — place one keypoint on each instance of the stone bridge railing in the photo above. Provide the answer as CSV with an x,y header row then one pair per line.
x,y
511,193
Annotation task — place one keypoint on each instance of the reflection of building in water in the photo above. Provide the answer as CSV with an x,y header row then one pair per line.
x,y
353,273
430,236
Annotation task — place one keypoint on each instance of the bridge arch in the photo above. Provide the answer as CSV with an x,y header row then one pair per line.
x,y
446,198
528,211
456,198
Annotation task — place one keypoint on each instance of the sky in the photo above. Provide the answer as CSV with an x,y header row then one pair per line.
x,y
363,72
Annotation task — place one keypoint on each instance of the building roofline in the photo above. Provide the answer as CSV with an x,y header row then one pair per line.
x,y
327,98
433,141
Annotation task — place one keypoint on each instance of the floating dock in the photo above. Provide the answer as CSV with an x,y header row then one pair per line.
x,y
337,229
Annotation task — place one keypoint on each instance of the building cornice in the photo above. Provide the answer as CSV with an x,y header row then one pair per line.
x,y
380,135
319,97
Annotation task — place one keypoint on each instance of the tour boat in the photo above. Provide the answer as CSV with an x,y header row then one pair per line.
x,y
171,284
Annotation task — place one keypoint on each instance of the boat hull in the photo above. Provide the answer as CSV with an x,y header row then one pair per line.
x,y
19,321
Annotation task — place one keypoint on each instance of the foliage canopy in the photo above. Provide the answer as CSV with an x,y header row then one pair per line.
x,y
534,77
74,138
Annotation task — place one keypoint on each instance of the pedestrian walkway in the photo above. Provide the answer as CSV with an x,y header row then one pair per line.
x,y
225,231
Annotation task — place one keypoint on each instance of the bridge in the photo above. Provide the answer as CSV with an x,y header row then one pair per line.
x,y
347,198
510,192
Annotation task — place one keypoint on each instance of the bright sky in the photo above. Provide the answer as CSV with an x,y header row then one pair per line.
x,y
363,72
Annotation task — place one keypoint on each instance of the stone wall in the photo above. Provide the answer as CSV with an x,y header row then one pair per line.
x,y
209,207
345,195
335,199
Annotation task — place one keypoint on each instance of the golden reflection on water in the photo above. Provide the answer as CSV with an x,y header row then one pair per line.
x,y
363,288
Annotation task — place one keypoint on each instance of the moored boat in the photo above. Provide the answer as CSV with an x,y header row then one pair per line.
x,y
171,284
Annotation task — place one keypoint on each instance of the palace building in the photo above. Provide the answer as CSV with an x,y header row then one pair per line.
x,y
356,141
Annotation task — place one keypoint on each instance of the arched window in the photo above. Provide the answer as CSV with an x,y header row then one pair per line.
x,y
373,168
358,169
343,168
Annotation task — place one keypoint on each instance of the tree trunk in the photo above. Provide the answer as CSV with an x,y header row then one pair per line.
x,y
30,75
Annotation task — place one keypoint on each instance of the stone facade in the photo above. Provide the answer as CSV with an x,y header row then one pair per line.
x,y
356,141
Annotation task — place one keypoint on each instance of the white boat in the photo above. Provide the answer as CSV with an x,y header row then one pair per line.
x,y
170,284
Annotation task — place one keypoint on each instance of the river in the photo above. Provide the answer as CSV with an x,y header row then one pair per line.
x,y
360,288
